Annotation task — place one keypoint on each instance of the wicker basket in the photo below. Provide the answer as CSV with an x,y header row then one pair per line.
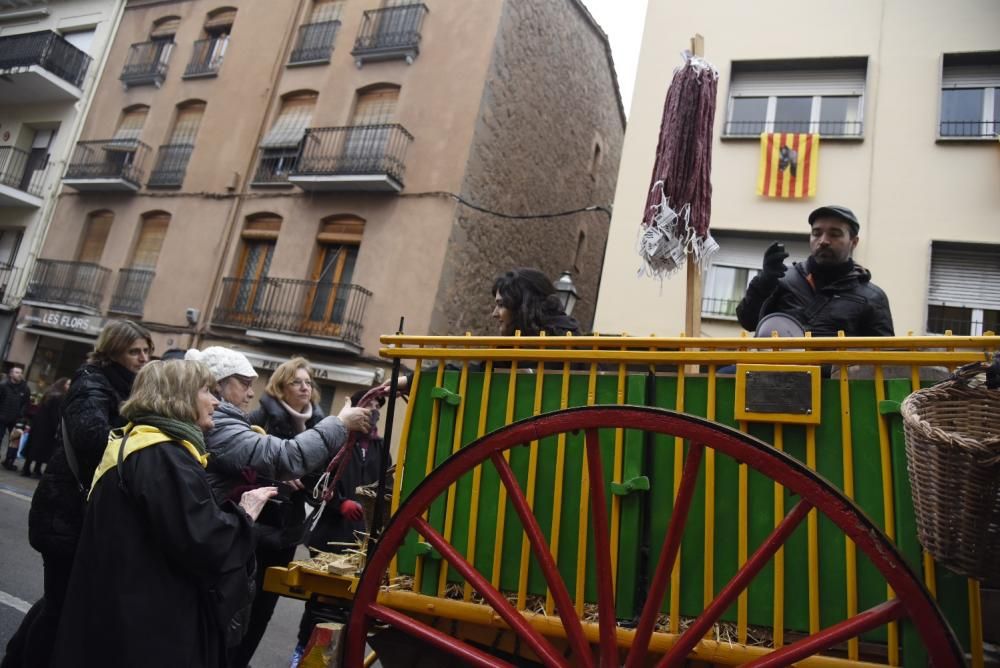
x,y
953,459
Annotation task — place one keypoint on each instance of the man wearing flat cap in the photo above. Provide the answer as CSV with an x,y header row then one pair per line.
x,y
828,292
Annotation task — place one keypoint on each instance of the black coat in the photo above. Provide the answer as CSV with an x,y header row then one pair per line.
x,y
851,303
45,435
14,401
147,558
90,410
281,523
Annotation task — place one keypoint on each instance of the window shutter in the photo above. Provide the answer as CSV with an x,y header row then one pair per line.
x,y
186,124
291,124
970,76
798,82
147,249
95,236
969,278
376,107
220,21
130,128
341,231
165,28
326,10
263,227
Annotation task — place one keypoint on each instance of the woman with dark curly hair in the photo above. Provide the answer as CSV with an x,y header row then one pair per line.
x,y
525,301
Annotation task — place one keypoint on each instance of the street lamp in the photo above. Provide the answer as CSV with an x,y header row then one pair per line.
x,y
567,292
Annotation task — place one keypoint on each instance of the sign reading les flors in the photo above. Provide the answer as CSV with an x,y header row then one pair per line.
x,y
34,316
777,393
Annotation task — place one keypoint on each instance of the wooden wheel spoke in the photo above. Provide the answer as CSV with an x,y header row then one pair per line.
x,y
431,636
533,638
740,581
602,545
849,628
564,605
668,555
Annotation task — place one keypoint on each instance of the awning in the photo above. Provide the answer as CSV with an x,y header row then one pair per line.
x,y
337,373
56,335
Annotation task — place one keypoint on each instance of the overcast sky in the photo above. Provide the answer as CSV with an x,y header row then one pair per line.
x,y
622,20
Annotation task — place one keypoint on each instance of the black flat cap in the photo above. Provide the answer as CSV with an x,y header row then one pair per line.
x,y
835,211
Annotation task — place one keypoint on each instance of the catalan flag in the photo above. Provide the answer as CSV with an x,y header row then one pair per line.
x,y
788,165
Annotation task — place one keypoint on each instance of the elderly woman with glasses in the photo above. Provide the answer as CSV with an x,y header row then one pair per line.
x,y
161,575
244,457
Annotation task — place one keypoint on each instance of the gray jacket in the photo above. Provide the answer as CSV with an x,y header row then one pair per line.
x,y
237,453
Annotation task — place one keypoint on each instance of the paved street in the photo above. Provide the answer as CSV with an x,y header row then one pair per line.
x,y
21,577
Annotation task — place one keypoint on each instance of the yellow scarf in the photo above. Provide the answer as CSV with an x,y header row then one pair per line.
x,y
139,437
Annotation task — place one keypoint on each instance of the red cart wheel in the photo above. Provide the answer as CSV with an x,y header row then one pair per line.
x,y
912,600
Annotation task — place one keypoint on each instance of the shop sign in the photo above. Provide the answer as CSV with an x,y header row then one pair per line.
x,y
78,323
330,372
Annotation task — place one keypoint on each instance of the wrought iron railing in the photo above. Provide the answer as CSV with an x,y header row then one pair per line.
x,y
823,128
14,171
146,63
274,165
108,159
131,289
171,165
72,283
330,310
47,50
206,57
358,149
315,42
712,306
970,128
390,28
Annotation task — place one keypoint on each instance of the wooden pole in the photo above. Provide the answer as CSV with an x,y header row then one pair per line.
x,y
692,301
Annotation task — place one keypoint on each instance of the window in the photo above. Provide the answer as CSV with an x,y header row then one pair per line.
x,y
130,127
317,34
279,149
172,158
260,234
338,240
970,95
95,235
964,292
151,236
737,261
10,244
366,142
147,61
814,96
208,52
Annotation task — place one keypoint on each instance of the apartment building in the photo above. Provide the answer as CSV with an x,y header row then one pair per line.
x,y
281,177
50,56
905,95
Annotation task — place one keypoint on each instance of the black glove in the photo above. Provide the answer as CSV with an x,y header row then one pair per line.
x,y
774,263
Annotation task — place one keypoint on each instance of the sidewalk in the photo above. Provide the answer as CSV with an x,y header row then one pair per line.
x,y
12,482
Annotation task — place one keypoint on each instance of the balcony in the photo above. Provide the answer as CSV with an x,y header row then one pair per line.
x,y
825,129
171,165
129,297
714,307
360,157
315,43
325,315
970,129
390,33
107,165
274,166
64,283
40,67
20,186
146,63
206,58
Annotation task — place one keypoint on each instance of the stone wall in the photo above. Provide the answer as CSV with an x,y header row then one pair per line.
x,y
548,139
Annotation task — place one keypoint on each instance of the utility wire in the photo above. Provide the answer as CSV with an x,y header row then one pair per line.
x,y
511,216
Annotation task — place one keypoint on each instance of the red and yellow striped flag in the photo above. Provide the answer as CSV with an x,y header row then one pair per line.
x,y
788,164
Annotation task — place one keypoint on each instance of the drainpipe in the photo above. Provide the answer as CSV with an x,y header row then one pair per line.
x,y
232,222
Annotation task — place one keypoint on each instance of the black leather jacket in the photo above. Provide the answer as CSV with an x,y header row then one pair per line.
x,y
851,303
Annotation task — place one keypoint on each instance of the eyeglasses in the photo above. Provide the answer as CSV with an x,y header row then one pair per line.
x,y
301,383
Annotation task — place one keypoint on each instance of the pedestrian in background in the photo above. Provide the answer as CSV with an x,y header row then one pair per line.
x,y
89,412
526,301
44,436
162,565
243,457
15,397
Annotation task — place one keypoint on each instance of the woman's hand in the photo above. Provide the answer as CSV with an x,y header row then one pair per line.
x,y
356,419
253,501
